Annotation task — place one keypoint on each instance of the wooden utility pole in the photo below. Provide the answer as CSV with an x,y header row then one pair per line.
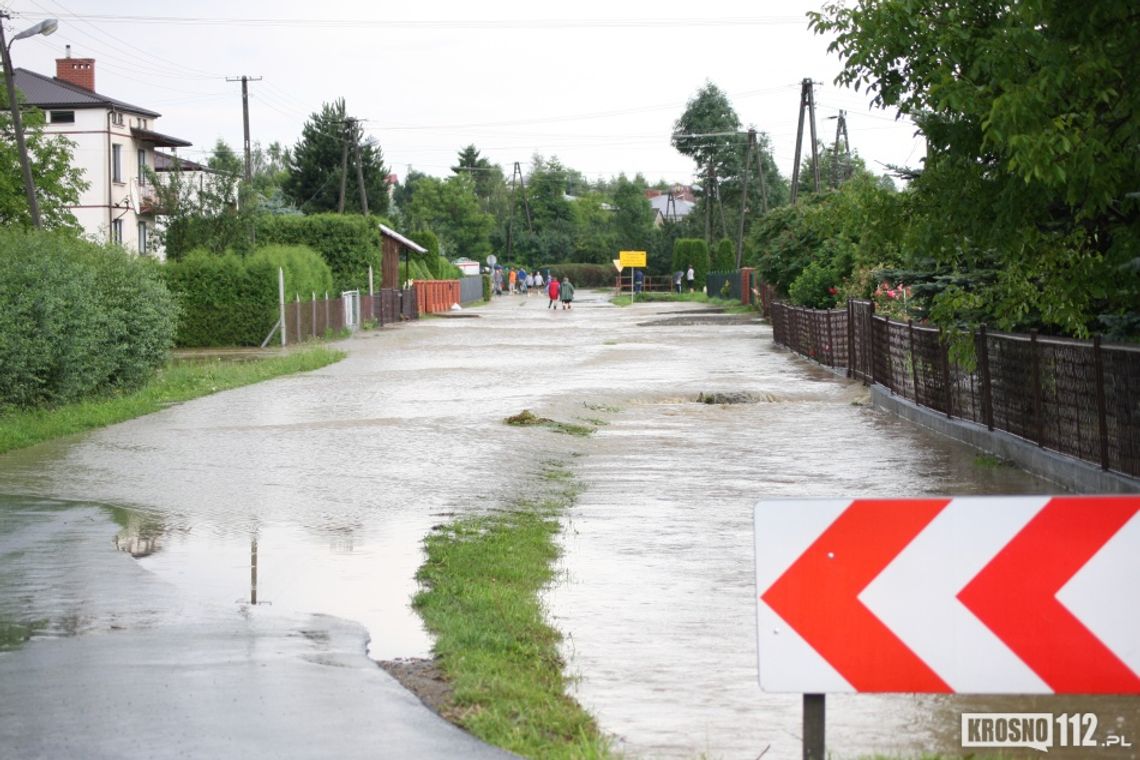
x,y
708,205
343,165
354,126
763,181
840,134
807,103
245,80
744,196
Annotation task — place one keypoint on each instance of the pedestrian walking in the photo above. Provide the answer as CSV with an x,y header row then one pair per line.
x,y
497,281
567,293
538,281
552,291
689,277
513,278
522,281
677,280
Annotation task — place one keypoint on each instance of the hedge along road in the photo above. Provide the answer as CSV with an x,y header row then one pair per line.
x,y
333,479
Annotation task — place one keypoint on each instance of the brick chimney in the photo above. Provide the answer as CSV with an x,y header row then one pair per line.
x,y
77,71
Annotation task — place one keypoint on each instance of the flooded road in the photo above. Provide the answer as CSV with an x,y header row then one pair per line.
x,y
305,499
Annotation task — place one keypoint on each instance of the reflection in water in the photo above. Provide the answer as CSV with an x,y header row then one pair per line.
x,y
141,534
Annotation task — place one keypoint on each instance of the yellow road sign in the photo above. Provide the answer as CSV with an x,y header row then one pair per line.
x,y
632,258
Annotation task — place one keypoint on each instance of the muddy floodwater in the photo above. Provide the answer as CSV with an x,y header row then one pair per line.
x,y
310,495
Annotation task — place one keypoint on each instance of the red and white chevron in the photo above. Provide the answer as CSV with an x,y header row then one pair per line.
x,y
981,595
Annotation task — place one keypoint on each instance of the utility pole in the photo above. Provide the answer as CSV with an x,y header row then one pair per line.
x,y
840,133
517,172
245,80
343,165
744,196
763,181
708,205
807,102
354,128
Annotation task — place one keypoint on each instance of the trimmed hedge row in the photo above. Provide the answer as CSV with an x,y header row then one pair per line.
x,y
695,252
348,243
77,319
232,301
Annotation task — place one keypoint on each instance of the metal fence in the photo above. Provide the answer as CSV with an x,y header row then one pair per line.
x,y
306,320
471,289
1080,398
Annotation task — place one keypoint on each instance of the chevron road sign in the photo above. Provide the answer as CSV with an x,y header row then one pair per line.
x,y
1002,595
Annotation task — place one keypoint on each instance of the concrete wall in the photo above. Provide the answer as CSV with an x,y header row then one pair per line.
x,y
1070,473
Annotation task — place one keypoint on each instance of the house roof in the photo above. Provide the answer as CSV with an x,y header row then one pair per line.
x,y
50,92
164,162
159,139
388,231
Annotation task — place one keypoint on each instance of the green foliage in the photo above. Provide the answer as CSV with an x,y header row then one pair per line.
x,y
348,243
77,319
315,165
816,286
1022,215
584,275
58,182
724,259
707,132
305,271
451,209
691,252
225,300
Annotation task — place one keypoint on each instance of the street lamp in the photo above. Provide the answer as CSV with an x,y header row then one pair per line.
x,y
47,26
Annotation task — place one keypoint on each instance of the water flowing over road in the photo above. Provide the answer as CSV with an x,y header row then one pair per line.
x,y
234,553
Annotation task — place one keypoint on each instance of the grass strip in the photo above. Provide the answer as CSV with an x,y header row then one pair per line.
x,y
482,582
177,381
729,306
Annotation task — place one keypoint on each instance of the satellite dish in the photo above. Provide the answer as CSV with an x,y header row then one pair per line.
x,y
133,197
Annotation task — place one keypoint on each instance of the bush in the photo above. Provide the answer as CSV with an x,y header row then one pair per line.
x,y
348,243
305,271
724,259
692,252
816,286
77,319
583,275
230,301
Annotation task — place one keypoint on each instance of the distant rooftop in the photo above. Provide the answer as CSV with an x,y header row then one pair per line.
x,y
49,92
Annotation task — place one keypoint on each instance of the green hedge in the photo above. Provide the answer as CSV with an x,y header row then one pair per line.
x,y
348,243
724,258
230,301
692,251
584,275
77,319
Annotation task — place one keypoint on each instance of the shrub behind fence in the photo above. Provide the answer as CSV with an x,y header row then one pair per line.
x,y
1080,398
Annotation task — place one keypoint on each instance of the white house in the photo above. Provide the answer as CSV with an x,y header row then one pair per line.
x,y
115,142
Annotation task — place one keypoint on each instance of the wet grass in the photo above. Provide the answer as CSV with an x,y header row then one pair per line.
x,y
177,381
481,599
527,418
729,306
991,462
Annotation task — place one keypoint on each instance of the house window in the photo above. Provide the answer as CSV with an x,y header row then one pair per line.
x,y
142,166
144,244
116,163
117,118
62,117
117,231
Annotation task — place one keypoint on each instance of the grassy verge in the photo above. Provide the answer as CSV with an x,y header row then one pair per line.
x,y
482,582
178,381
730,306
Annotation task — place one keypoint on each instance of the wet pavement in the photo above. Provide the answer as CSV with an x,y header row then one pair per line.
x,y
203,581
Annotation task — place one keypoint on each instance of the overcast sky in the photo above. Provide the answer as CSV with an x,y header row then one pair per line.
x,y
598,84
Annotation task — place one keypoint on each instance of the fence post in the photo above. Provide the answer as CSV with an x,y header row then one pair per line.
x,y
888,358
297,302
983,350
314,313
327,317
944,354
871,342
850,337
913,360
281,301
1038,424
1101,404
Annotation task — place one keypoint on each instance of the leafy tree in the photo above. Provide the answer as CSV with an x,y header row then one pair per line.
x,y
488,177
315,172
1024,214
709,132
450,208
58,183
632,216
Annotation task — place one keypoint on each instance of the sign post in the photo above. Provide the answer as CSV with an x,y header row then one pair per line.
x,y
969,595
633,260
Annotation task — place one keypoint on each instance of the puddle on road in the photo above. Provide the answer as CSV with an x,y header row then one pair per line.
x,y
340,473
